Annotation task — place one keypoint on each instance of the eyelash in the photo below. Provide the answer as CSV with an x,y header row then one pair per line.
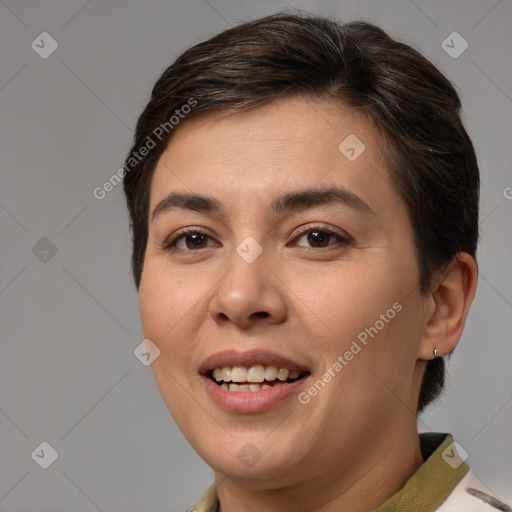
x,y
171,242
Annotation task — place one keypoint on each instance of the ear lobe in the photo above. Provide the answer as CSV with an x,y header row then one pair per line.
x,y
449,299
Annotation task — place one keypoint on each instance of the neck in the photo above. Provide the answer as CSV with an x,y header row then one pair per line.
x,y
359,486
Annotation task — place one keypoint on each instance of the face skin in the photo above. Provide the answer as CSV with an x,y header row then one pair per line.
x,y
305,298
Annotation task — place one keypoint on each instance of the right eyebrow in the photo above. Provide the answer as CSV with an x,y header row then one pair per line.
x,y
195,202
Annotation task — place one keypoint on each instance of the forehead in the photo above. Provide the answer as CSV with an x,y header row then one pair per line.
x,y
260,153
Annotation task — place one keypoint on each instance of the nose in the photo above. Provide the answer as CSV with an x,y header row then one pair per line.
x,y
249,295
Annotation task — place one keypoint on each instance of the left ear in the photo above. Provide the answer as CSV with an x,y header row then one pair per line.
x,y
448,302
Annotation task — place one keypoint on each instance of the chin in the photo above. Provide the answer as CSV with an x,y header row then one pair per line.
x,y
253,455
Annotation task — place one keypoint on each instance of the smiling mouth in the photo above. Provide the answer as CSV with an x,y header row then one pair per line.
x,y
253,378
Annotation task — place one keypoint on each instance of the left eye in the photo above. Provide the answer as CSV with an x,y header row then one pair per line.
x,y
318,238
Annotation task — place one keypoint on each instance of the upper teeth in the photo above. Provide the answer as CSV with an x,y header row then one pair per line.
x,y
257,373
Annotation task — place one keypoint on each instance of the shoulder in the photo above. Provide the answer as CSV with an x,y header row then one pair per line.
x,y
470,495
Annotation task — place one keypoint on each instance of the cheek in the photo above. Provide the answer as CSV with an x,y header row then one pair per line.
x,y
368,311
168,305
382,345
339,303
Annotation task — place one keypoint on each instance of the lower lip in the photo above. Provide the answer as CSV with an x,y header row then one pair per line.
x,y
251,401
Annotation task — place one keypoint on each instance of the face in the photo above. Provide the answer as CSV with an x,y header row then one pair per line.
x,y
281,255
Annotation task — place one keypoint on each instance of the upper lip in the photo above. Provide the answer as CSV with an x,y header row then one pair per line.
x,y
249,358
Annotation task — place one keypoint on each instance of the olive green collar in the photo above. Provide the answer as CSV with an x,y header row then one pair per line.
x,y
426,490
436,478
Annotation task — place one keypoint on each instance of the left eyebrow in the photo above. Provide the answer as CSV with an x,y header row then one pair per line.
x,y
292,201
302,199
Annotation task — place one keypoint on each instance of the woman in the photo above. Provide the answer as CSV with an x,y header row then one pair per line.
x,y
304,209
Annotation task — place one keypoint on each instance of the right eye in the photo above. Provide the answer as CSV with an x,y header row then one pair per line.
x,y
189,240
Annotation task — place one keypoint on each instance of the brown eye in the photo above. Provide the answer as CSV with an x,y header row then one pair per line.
x,y
190,241
318,238
195,240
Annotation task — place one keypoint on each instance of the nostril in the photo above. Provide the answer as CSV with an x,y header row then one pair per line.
x,y
261,314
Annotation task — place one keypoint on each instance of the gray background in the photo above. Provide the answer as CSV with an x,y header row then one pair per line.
x,y
69,320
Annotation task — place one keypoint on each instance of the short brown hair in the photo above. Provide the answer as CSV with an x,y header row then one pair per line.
x,y
416,109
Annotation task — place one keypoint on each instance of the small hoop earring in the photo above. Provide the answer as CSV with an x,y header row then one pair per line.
x,y
436,353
